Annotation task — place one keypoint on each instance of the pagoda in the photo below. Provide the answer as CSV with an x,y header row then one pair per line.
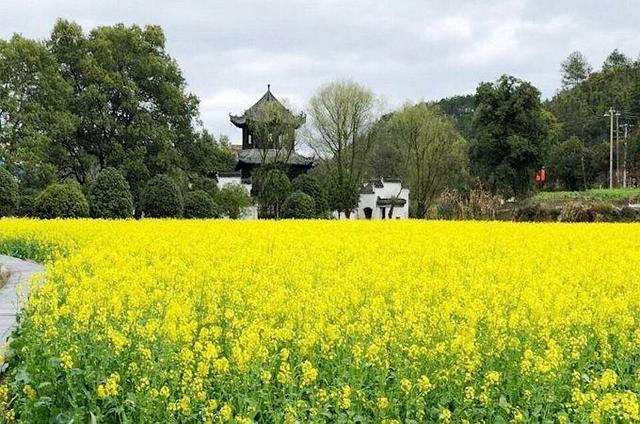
x,y
266,142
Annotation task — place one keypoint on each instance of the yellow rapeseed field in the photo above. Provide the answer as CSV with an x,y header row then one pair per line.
x,y
320,321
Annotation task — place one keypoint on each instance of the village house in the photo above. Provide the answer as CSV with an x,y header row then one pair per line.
x,y
382,198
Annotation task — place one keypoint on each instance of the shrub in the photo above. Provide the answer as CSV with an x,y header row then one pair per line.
x,y
8,193
576,212
628,214
535,212
61,201
478,204
299,205
232,200
273,188
161,198
527,213
110,196
26,204
311,186
605,212
450,205
198,204
208,185
482,204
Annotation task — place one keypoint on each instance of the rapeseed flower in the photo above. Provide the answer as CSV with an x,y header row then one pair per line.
x,y
388,321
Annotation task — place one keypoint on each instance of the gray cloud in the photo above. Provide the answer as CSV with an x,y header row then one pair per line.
x,y
402,49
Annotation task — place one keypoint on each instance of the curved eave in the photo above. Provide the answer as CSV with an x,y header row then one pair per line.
x,y
238,121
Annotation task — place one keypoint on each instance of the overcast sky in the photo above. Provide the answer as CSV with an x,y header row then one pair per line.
x,y
401,49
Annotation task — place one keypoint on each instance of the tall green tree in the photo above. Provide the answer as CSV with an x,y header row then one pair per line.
x,y
432,152
384,159
568,161
342,113
274,187
81,102
461,109
575,69
580,109
616,58
128,94
33,110
511,135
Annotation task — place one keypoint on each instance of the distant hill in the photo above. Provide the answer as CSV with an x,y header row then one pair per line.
x,y
461,109
580,109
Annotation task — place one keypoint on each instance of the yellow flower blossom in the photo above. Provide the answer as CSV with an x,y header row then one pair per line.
x,y
382,402
328,320
309,373
226,413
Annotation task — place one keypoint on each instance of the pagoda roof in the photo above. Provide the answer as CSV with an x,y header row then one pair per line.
x,y
259,156
268,97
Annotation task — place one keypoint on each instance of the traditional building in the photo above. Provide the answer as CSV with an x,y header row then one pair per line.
x,y
268,135
382,198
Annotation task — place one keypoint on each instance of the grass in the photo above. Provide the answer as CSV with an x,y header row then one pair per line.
x,y
618,195
25,248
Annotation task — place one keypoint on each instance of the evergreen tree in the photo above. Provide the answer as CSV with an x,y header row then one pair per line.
x,y
511,135
575,69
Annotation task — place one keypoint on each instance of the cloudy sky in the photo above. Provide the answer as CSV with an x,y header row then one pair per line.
x,y
402,49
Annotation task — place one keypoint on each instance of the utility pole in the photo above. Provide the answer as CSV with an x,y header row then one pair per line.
x,y
610,113
618,149
624,166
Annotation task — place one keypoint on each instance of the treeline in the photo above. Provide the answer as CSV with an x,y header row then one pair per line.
x,y
492,141
78,103
112,101
576,154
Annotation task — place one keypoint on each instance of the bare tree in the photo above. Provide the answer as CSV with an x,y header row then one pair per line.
x,y
342,112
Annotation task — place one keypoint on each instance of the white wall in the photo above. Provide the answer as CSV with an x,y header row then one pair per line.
x,y
389,190
223,181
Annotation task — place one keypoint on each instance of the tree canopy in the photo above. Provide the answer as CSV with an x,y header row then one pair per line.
x,y
431,151
575,69
511,131
79,102
342,114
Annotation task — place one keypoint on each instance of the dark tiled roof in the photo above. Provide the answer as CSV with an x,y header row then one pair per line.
x,y
392,180
367,189
378,183
268,97
388,201
230,174
258,156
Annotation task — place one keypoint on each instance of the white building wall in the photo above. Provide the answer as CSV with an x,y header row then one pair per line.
x,y
366,201
389,190
226,180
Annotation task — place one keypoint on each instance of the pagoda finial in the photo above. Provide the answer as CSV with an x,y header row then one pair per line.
x,y
268,87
